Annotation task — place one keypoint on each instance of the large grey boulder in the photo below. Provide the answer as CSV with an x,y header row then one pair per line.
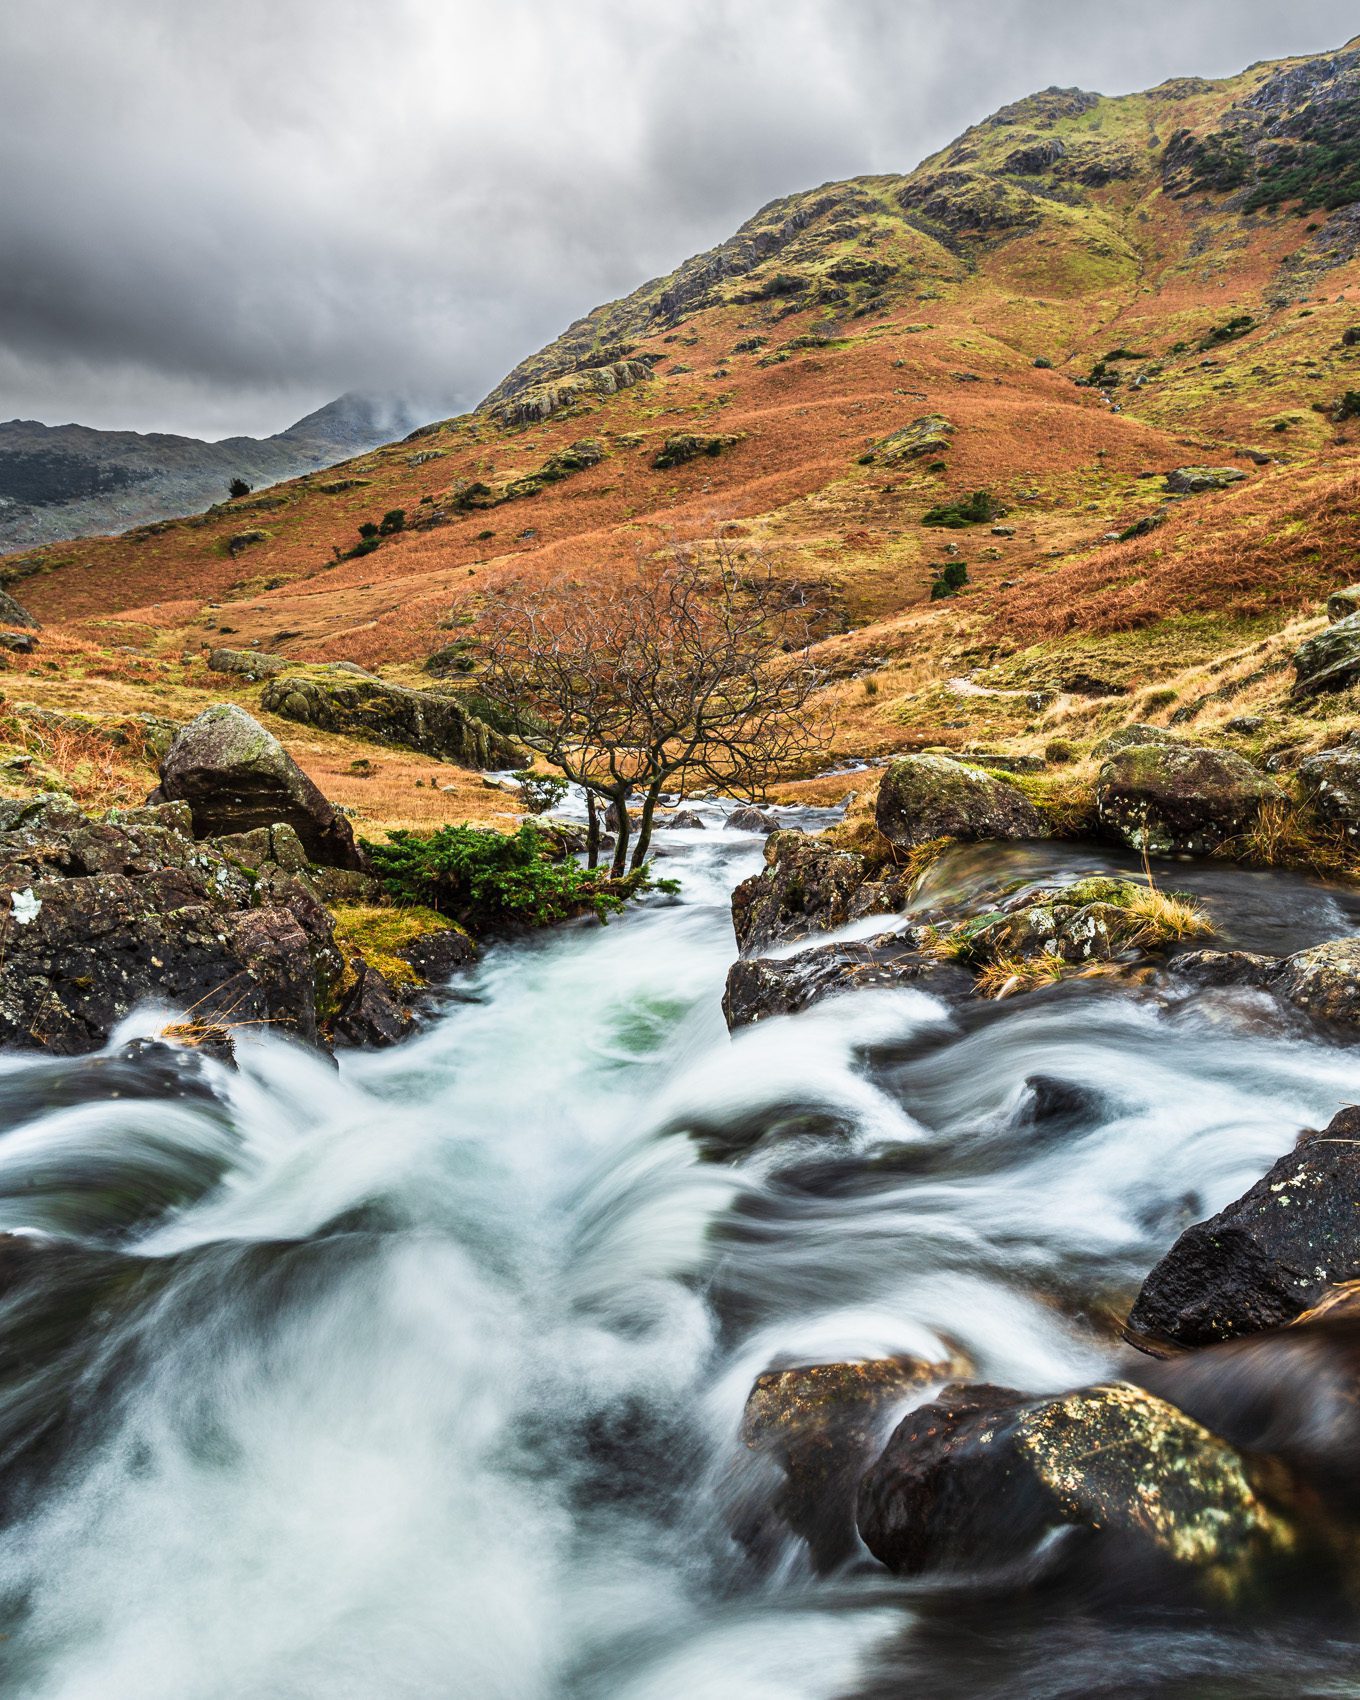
x,y
1330,781
1194,480
236,776
1171,798
13,613
926,797
1329,661
432,722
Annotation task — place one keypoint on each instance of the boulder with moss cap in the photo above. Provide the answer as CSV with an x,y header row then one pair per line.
x,y
926,797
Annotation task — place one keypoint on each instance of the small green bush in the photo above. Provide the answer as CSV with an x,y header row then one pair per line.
x,y
950,578
1348,407
490,881
981,508
540,792
368,529
393,520
238,487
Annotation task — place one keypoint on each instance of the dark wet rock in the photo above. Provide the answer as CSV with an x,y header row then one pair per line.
x,y
1330,781
980,1478
1269,1256
1054,1106
432,722
1323,981
101,916
237,777
437,956
1193,480
926,797
822,1426
246,663
751,819
370,1013
685,820
760,987
1172,798
1329,661
807,886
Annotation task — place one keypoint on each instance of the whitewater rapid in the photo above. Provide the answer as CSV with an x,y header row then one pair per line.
x,y
423,1376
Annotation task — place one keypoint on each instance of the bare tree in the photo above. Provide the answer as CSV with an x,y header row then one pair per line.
x,y
690,666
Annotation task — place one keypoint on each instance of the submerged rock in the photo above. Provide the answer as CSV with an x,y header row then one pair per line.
x,y
431,722
1267,1257
1170,798
807,886
1330,661
926,797
237,777
979,1479
822,1426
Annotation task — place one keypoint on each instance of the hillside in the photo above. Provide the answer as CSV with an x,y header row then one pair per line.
x,y
61,481
1078,297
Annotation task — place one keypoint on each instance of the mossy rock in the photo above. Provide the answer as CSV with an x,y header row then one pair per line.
x,y
928,435
690,445
1172,799
361,704
923,797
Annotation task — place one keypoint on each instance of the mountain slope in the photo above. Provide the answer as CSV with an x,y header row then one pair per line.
x,y
1077,297
60,481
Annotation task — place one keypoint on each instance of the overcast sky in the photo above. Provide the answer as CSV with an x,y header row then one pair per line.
x,y
215,216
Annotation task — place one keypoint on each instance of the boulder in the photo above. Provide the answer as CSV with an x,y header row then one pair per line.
x,y
1169,798
925,797
370,1013
982,1477
1329,661
438,955
236,777
356,702
822,1426
1269,1256
247,663
690,445
1323,981
684,820
929,435
751,819
806,887
1193,480
102,917
13,613
1330,781
1341,604
18,643
760,987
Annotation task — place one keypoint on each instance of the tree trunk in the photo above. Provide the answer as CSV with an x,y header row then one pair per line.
x,y
645,824
625,827
592,830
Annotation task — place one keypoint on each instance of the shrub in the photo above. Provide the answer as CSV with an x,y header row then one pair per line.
x,y
491,881
1348,407
978,509
238,487
540,792
950,578
368,529
393,520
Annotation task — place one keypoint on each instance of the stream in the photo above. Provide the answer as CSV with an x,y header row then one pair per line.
x,y
423,1376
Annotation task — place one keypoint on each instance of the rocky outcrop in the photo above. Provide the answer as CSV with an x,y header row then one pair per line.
x,y
929,435
690,445
247,663
980,1479
1170,798
541,401
1194,480
822,1426
1330,781
432,722
1330,661
236,777
1323,982
1341,604
760,987
1267,1257
807,886
13,612
921,798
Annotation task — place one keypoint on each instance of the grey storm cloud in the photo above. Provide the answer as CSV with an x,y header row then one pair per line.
x,y
215,216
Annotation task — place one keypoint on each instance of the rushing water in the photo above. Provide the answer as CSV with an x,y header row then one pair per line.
x,y
423,1376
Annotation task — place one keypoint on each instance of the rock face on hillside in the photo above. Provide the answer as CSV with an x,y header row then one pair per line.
x,y
1330,661
922,798
13,613
235,776
1269,1256
369,707
1170,798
